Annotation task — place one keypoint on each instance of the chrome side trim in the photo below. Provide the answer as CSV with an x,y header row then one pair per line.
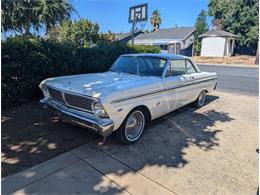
x,y
164,90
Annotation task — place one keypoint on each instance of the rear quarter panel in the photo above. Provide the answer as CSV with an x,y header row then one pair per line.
x,y
204,81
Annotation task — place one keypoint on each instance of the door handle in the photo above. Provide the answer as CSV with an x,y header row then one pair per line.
x,y
192,77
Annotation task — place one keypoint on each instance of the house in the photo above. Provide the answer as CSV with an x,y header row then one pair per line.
x,y
177,40
217,43
126,37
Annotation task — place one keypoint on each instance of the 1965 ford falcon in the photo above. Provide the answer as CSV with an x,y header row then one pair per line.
x,y
137,89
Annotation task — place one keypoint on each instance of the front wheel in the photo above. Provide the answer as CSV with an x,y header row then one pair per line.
x,y
132,128
200,101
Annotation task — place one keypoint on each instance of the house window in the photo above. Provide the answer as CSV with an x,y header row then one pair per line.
x,y
164,47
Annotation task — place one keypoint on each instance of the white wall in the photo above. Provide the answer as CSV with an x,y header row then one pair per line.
x,y
213,46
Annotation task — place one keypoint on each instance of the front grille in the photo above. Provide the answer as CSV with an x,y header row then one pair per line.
x,y
71,100
78,101
56,95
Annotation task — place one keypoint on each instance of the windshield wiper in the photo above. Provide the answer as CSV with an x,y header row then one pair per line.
x,y
131,73
117,71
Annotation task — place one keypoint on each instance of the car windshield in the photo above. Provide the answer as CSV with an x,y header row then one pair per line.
x,y
139,65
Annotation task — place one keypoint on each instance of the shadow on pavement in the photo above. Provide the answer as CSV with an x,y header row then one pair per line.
x,y
162,145
31,135
164,142
166,138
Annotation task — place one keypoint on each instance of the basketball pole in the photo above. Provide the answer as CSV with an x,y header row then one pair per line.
x,y
137,13
133,32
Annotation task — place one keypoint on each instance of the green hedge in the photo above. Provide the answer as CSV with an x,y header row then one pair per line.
x,y
26,62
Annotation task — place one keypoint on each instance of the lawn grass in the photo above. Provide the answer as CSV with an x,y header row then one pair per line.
x,y
241,59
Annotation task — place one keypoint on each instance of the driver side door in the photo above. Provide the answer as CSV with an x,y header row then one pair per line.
x,y
177,90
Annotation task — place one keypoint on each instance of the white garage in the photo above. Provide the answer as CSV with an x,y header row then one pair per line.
x,y
217,43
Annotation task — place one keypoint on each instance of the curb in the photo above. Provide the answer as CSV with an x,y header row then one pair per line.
x,y
230,65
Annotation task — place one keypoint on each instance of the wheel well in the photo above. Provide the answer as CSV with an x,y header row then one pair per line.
x,y
204,90
147,112
201,91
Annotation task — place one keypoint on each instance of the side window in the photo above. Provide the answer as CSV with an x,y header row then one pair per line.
x,y
158,63
190,68
151,66
178,67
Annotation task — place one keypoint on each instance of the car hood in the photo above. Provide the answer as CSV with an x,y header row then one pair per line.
x,y
99,85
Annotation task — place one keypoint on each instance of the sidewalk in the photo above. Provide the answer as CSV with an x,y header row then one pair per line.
x,y
83,170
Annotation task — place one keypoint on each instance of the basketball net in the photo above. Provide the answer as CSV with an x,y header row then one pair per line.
x,y
140,25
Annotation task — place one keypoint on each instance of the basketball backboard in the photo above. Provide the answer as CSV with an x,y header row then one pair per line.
x,y
138,13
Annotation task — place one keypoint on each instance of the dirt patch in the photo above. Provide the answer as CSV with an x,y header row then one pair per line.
x,y
243,59
32,134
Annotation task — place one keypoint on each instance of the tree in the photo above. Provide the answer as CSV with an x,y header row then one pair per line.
x,y
239,17
82,32
201,26
156,20
257,55
216,24
50,13
107,37
24,15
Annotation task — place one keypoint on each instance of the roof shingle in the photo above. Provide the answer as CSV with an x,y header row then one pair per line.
x,y
218,33
121,36
168,33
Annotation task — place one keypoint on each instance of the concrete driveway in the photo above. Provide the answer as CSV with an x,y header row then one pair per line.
x,y
211,150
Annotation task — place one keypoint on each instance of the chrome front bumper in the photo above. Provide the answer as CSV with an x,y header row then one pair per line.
x,y
103,127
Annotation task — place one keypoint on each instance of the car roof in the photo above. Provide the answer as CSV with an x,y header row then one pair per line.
x,y
158,55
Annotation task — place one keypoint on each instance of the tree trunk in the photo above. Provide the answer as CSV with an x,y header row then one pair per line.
x,y
257,54
27,30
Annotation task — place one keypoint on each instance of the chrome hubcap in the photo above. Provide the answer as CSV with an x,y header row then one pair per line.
x,y
134,125
202,98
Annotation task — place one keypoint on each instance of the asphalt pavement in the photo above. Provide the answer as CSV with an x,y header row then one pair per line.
x,y
241,80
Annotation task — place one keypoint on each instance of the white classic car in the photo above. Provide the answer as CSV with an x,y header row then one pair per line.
x,y
137,89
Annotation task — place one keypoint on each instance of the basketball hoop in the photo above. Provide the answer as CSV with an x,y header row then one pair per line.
x,y
142,24
137,15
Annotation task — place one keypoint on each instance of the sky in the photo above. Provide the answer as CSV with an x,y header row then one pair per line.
x,y
113,14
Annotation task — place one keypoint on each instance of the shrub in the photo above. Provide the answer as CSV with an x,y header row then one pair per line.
x,y
26,62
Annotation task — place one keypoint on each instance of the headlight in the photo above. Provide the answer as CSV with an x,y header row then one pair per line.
x,y
99,110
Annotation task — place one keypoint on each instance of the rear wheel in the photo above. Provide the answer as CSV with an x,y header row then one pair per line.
x,y
200,101
133,126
